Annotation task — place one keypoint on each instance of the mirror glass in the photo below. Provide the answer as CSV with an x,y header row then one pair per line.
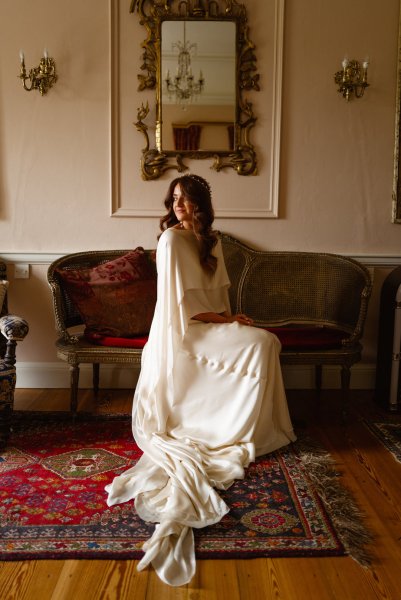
x,y
203,47
197,114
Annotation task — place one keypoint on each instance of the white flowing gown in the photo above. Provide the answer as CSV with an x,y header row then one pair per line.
x,y
209,398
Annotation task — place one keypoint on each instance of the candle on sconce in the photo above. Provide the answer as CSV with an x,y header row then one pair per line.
x,y
365,65
352,79
40,78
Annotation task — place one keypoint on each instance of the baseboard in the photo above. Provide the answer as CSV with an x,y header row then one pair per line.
x,y
57,375
298,377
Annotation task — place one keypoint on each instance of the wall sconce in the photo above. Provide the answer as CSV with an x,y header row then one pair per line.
x,y
352,79
42,77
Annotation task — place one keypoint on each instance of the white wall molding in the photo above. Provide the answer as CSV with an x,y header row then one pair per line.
x,y
32,258
382,261
46,258
57,375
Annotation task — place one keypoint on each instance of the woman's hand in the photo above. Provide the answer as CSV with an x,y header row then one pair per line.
x,y
240,318
223,318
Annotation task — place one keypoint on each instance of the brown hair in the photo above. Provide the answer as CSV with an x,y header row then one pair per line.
x,y
197,191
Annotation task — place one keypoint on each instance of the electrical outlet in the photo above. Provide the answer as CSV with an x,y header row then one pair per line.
x,y
21,271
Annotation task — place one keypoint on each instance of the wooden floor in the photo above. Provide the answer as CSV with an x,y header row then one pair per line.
x,y
369,471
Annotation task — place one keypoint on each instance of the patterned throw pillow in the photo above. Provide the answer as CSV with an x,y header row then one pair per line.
x,y
3,290
115,298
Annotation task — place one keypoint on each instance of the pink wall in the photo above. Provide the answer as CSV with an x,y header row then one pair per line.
x,y
336,159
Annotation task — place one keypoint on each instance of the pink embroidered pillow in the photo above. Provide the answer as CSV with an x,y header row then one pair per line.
x,y
115,298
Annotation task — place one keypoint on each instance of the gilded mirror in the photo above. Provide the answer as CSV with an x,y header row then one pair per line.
x,y
199,60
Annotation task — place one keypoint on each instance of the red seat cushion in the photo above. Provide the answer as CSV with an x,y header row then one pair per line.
x,y
308,338
116,342
291,338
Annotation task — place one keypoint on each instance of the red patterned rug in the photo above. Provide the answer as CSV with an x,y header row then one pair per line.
x,y
53,503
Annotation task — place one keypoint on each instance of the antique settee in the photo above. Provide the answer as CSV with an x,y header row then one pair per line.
x,y
316,303
12,330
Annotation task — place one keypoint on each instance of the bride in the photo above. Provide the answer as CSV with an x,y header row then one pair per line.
x,y
210,395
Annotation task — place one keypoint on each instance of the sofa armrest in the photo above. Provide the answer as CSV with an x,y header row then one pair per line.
x,y
13,328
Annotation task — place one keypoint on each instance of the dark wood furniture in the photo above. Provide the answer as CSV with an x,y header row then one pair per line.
x,y
12,330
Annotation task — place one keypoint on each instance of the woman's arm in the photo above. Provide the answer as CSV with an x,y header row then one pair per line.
x,y
224,317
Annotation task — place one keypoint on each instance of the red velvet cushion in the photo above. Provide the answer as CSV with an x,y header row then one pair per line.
x,y
308,338
120,342
291,338
116,298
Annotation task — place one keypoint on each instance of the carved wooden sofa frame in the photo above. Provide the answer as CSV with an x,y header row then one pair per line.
x,y
316,303
306,298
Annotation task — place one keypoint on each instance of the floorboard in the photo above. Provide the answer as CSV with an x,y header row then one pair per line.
x,y
367,469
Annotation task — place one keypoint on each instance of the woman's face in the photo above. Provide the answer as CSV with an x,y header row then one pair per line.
x,y
183,208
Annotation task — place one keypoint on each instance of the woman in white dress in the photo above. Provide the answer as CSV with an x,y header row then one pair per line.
x,y
210,395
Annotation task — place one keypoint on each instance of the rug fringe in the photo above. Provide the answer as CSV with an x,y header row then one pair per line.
x,y
344,513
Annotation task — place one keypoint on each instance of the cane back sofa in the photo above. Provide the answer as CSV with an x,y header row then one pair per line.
x,y
316,303
12,330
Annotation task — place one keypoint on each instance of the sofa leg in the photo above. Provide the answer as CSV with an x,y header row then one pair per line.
x,y
345,385
318,380
74,372
5,420
96,369
7,387
9,358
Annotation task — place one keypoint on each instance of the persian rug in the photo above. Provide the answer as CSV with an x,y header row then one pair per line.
x,y
389,434
53,503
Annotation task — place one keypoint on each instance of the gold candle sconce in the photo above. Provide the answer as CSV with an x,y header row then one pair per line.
x,y
40,78
352,79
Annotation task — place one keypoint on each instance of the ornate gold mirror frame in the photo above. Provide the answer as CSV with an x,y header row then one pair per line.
x,y
396,207
155,160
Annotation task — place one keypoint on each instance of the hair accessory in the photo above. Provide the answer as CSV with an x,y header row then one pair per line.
x,y
199,180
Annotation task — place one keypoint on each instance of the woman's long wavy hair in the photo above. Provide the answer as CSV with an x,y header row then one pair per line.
x,y
197,191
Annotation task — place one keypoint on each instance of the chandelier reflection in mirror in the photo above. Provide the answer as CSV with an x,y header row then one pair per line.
x,y
184,88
